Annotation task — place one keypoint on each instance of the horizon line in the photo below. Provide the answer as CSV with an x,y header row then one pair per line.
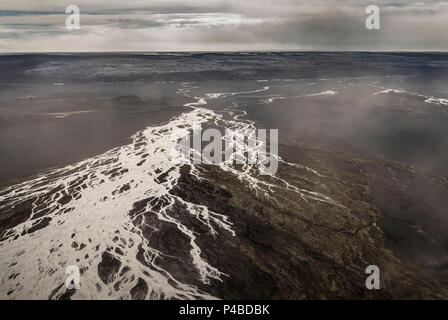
x,y
218,51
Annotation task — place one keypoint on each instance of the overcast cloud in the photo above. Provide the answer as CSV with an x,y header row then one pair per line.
x,y
212,25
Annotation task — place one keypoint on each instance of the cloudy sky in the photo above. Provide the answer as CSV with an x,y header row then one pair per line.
x,y
215,25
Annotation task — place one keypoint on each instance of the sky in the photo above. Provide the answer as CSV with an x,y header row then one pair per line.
x,y
222,25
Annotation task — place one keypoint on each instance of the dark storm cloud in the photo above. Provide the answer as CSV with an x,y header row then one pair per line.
x,y
222,25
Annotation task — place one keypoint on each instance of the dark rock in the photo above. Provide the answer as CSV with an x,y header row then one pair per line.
x,y
108,267
140,290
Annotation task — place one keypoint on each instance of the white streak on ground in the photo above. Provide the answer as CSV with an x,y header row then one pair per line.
x,y
428,99
89,204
